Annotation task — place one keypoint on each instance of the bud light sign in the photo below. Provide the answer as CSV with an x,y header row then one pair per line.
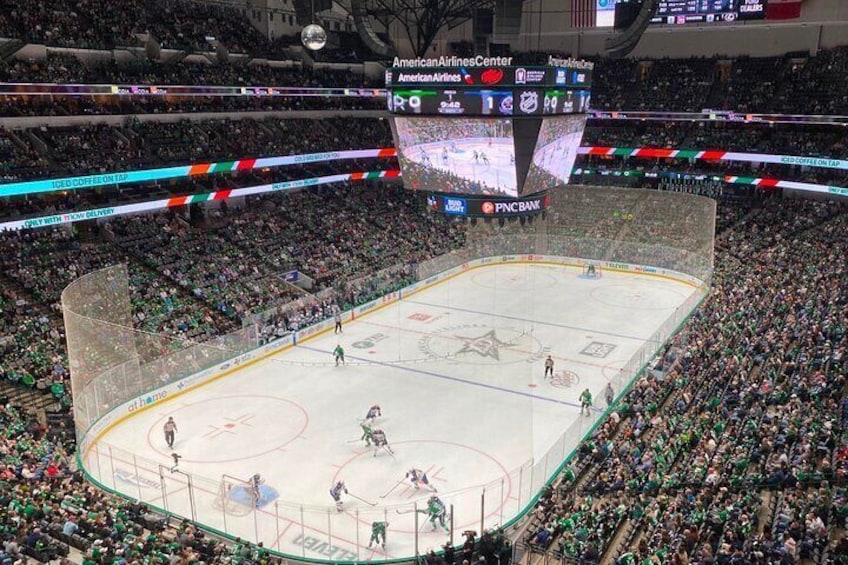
x,y
455,206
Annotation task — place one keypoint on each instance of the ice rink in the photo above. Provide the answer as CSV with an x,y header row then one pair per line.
x,y
457,369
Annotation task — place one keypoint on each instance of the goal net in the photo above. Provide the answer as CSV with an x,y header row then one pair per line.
x,y
592,271
235,496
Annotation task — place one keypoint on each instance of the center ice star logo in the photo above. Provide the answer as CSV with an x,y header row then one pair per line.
x,y
486,345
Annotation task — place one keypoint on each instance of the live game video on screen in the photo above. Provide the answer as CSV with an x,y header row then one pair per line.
x,y
467,156
555,152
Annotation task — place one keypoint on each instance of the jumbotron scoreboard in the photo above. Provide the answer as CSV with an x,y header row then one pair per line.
x,y
485,137
490,91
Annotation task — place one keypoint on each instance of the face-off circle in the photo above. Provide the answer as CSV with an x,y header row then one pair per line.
x,y
453,486
231,428
480,344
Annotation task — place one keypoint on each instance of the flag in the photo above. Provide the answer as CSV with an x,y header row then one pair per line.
x,y
583,13
783,9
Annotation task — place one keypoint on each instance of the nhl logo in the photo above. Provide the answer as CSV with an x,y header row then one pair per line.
x,y
529,102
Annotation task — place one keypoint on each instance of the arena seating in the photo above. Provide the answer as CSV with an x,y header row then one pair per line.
x,y
72,151
736,456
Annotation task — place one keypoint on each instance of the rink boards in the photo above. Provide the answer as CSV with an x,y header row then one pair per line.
x,y
457,368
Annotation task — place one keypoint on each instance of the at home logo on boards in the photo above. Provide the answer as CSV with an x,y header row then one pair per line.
x,y
146,400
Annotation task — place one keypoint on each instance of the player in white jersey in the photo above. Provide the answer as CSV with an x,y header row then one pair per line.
x,y
445,156
378,436
418,477
336,494
373,413
255,482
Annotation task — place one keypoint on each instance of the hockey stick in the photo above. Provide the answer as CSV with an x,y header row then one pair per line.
x,y
388,492
362,499
389,449
354,440
410,511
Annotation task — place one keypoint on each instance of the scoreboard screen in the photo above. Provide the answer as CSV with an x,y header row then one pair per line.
x,y
708,11
488,102
489,77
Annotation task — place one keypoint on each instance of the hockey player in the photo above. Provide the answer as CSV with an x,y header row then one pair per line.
x,y
586,402
436,511
445,156
484,158
378,531
373,413
549,367
476,157
367,432
336,494
378,436
338,353
418,477
255,482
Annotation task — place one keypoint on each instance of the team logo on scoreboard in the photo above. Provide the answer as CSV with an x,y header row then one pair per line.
x,y
487,207
491,76
506,105
520,76
432,202
560,77
529,102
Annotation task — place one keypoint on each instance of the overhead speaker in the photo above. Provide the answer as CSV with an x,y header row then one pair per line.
x,y
621,44
366,31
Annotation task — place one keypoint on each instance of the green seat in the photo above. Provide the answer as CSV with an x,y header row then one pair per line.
x,y
58,390
28,380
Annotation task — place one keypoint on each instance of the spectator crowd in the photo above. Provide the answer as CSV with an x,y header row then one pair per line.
x,y
733,452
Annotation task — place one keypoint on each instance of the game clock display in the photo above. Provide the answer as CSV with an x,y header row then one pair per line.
x,y
488,102
708,11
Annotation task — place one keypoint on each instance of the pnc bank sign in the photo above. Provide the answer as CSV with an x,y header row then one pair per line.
x,y
512,207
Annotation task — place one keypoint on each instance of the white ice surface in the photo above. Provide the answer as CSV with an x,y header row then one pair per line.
x,y
458,372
